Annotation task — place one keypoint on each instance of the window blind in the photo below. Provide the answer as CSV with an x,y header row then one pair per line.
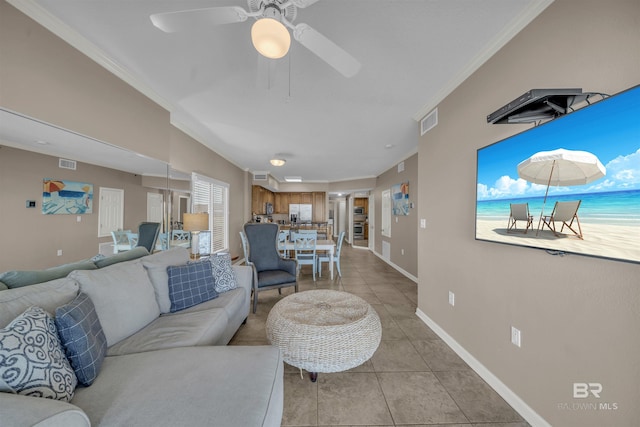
x,y
212,196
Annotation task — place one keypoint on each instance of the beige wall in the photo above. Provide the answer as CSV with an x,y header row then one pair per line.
x,y
403,232
579,316
45,78
188,155
30,239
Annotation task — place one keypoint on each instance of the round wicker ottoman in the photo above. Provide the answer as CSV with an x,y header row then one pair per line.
x,y
324,330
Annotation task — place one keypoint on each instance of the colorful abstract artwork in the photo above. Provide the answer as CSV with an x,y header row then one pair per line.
x,y
66,197
400,198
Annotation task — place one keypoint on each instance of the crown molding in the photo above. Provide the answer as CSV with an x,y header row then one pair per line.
x,y
501,39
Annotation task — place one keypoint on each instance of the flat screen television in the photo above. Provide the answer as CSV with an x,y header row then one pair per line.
x,y
598,215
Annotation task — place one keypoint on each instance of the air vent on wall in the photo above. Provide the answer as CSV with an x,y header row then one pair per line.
x,y
67,164
260,176
429,122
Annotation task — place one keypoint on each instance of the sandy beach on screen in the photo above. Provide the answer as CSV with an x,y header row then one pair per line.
x,y
611,241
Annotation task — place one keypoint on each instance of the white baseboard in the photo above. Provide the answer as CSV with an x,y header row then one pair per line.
x,y
531,416
400,270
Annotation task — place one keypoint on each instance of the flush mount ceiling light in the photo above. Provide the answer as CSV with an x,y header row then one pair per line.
x,y
278,162
293,178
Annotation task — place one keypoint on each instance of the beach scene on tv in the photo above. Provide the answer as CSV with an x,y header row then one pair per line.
x,y
570,185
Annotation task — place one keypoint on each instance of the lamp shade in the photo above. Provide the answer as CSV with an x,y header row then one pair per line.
x,y
271,38
195,221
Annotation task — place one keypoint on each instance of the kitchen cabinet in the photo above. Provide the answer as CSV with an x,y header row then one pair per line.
x,y
294,198
319,206
281,204
306,198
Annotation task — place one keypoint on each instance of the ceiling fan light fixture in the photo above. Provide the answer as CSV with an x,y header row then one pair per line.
x,y
270,38
278,162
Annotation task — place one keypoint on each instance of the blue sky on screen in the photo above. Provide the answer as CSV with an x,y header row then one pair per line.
x,y
610,129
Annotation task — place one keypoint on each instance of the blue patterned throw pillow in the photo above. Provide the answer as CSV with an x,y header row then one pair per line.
x,y
190,285
223,274
82,337
32,361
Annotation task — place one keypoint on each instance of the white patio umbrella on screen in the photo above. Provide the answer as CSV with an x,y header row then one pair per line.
x,y
561,168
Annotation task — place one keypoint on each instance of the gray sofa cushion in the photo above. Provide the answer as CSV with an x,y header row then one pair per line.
x,y
156,266
129,255
82,337
175,330
17,279
49,296
194,386
123,296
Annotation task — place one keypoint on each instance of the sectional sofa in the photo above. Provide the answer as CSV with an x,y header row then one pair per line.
x,y
159,351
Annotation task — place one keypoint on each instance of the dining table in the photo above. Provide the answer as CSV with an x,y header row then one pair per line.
x,y
321,245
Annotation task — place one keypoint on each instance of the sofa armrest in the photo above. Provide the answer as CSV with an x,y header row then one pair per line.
x,y
244,276
18,410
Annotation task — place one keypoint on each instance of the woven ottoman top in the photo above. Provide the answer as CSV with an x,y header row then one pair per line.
x,y
324,330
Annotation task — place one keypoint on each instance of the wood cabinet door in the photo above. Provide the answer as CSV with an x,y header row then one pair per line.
x,y
319,206
306,198
294,198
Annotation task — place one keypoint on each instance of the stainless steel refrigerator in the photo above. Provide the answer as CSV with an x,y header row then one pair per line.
x,y
303,212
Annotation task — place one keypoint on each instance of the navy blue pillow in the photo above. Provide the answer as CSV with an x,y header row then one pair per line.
x,y
190,285
82,337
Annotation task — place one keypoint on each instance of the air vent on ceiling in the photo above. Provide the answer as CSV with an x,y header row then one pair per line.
x,y
260,176
67,164
429,122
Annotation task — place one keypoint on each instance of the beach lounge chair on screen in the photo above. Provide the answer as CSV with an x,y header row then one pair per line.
x,y
566,213
519,212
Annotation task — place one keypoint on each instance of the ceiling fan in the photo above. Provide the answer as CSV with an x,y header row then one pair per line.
x,y
269,33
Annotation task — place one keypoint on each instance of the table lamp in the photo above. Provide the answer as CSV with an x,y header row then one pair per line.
x,y
195,223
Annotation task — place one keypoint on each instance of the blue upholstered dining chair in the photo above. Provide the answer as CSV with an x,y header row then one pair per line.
x,y
270,270
148,235
336,256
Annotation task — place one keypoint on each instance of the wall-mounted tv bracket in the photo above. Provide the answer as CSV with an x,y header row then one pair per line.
x,y
537,105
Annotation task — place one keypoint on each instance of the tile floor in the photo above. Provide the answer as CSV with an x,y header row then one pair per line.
x,y
413,379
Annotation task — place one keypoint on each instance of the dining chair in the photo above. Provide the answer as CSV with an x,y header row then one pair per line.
x,y
148,235
163,242
180,235
133,239
304,246
120,241
283,235
336,256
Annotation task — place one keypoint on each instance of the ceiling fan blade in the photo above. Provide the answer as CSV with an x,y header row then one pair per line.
x,y
171,22
303,3
327,50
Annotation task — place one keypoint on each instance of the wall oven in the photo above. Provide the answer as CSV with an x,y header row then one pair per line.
x,y
358,230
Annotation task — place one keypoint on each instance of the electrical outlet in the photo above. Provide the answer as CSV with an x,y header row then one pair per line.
x,y
516,337
59,252
452,299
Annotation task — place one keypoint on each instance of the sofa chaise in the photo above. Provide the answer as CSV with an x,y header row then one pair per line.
x,y
164,364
